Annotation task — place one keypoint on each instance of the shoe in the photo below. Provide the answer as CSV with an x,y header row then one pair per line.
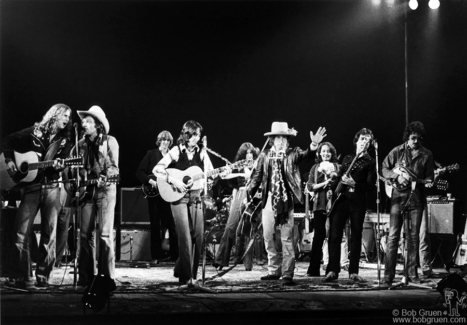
x,y
356,278
248,269
270,277
415,280
387,283
217,266
154,263
313,274
428,274
288,282
42,284
331,276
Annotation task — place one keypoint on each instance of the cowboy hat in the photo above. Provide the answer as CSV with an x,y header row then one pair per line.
x,y
281,128
98,113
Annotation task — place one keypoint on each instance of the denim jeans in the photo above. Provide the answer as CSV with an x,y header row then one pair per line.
x,y
102,207
47,199
189,224
233,235
288,252
425,243
396,223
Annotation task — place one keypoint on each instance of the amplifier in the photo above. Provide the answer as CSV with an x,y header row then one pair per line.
x,y
135,245
133,207
444,217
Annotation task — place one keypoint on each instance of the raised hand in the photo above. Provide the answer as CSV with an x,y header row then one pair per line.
x,y
318,136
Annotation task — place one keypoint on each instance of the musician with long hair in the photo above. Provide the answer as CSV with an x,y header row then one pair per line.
x,y
48,139
160,214
100,152
417,160
250,153
357,176
322,175
187,211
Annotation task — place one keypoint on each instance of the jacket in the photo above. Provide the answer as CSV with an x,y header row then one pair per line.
x,y
292,174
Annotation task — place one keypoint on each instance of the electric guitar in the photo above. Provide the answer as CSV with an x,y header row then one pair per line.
x,y
195,174
148,189
30,169
341,186
87,189
459,257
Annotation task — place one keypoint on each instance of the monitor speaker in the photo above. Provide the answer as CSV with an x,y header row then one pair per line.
x,y
133,208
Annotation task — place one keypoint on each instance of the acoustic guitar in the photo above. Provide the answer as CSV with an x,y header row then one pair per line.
x,y
87,189
30,169
195,174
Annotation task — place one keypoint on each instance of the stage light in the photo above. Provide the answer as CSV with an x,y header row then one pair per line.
x,y
433,4
413,4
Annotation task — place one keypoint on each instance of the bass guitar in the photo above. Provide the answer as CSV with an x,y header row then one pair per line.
x,y
29,169
194,174
148,189
341,186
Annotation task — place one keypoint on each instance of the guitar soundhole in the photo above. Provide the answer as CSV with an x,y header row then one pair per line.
x,y
24,167
186,179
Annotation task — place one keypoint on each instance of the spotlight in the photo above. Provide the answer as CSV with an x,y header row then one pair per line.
x,y
413,4
433,4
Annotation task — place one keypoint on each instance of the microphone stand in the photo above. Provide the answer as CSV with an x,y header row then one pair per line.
x,y
76,215
378,212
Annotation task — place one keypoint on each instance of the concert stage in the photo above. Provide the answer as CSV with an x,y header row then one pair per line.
x,y
153,294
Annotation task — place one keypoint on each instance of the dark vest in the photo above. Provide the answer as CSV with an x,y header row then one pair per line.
x,y
184,163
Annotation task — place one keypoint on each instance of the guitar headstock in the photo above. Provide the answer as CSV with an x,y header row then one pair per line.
x,y
73,161
450,168
113,179
442,184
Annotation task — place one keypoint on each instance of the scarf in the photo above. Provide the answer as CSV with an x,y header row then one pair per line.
x,y
279,193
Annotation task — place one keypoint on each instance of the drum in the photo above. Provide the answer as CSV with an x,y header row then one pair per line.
x,y
209,206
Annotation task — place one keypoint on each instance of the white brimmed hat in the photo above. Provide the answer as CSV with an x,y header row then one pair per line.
x,y
281,128
98,113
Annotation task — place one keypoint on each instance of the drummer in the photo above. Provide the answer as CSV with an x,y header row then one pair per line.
x,y
250,153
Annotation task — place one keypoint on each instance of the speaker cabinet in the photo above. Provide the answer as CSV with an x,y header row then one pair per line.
x,y
444,217
135,245
133,208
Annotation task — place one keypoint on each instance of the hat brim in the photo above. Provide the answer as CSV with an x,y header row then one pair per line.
x,y
103,120
279,133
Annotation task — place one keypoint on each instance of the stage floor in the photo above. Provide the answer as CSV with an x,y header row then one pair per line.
x,y
145,294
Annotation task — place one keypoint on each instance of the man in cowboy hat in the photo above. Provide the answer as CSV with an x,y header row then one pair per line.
x,y
100,155
278,174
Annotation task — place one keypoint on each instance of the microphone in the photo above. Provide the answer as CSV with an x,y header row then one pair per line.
x,y
205,142
375,143
75,125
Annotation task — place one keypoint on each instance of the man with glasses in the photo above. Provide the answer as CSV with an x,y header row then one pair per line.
x,y
405,165
160,214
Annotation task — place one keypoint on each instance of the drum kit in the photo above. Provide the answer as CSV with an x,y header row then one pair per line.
x,y
215,221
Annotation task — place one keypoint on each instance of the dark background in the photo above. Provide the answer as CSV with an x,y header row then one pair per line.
x,y
237,66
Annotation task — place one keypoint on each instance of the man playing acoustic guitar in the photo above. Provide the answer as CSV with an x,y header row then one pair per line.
x,y
100,153
47,140
407,166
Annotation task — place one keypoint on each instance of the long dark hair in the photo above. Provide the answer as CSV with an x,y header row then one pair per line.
x,y
188,129
243,150
331,148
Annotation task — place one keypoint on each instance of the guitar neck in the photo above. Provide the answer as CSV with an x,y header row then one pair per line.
x,y
41,164
217,171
